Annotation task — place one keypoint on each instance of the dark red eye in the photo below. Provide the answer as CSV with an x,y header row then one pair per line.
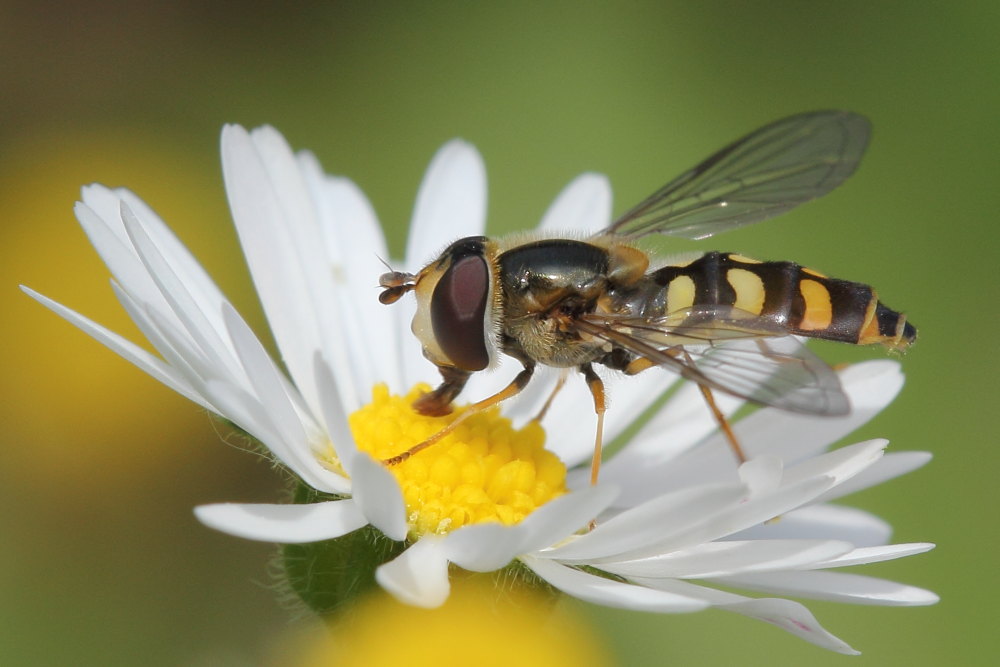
x,y
458,310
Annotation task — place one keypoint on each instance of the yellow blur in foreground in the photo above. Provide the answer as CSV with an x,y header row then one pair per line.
x,y
479,625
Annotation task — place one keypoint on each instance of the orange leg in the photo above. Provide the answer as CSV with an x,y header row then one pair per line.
x,y
512,389
555,390
727,430
437,403
596,387
640,364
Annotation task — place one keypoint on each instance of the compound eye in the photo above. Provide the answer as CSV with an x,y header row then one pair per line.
x,y
458,311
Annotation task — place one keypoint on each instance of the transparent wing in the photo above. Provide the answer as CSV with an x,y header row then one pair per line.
x,y
764,174
730,350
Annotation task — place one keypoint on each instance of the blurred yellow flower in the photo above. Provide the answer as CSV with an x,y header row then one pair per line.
x,y
474,627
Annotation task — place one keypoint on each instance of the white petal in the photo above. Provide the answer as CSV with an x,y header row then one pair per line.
x,y
244,410
107,234
647,523
794,618
712,596
355,249
870,387
126,349
451,202
483,547
583,206
852,525
785,614
265,380
840,464
250,415
167,337
106,203
874,555
377,492
600,590
181,304
418,576
337,428
373,487
762,474
890,466
719,559
738,517
560,518
287,524
487,547
171,340
100,215
834,587
281,238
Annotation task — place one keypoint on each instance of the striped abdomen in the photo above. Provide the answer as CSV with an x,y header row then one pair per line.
x,y
801,300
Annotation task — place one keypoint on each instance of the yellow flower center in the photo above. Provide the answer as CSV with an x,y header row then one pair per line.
x,y
484,470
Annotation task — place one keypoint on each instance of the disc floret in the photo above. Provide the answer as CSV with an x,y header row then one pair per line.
x,y
486,470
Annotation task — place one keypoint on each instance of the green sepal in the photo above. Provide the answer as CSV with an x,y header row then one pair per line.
x,y
516,576
329,575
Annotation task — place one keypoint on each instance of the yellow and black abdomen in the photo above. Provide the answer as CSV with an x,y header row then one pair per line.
x,y
804,302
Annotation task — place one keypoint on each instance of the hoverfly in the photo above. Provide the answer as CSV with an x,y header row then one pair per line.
x,y
723,321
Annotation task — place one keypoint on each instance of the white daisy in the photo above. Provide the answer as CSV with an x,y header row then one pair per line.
x,y
673,507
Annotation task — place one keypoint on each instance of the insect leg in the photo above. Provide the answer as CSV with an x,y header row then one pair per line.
x,y
555,390
596,387
437,403
720,418
512,389
723,423
638,365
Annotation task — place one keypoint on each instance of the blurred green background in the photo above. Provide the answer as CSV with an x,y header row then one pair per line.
x,y
103,562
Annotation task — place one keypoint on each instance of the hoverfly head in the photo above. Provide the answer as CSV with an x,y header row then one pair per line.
x,y
455,312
